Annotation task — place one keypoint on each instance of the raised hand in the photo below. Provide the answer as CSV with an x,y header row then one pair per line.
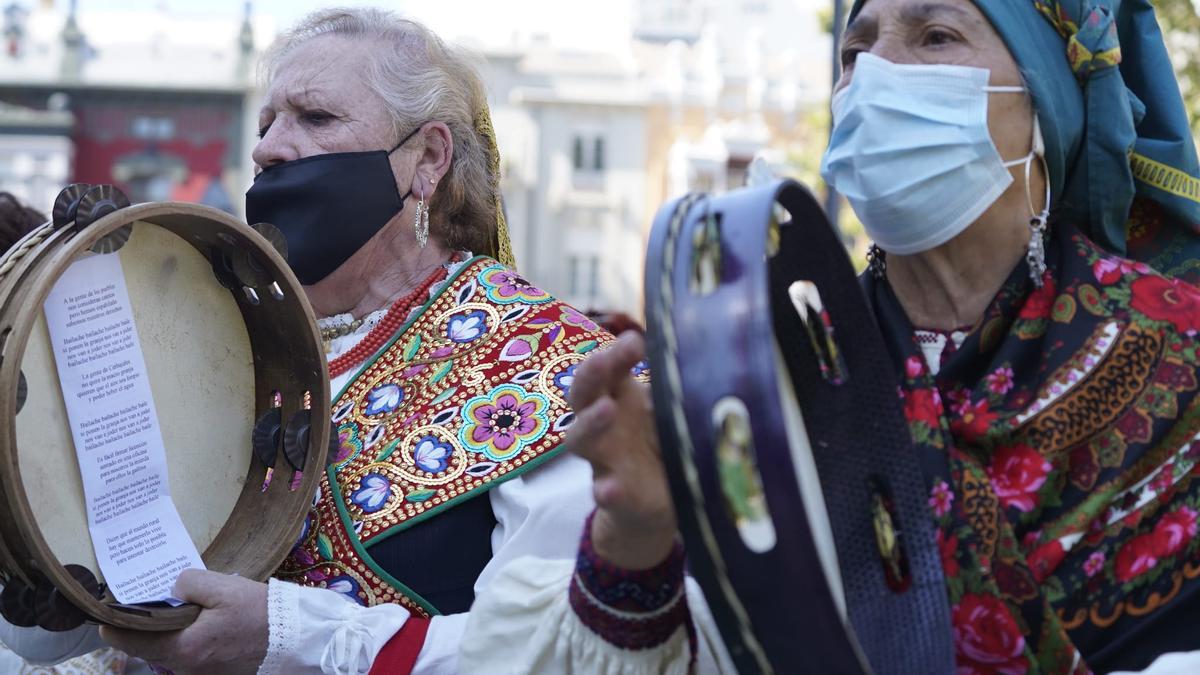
x,y
634,526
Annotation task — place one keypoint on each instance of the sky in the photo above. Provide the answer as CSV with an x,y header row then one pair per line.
x,y
580,23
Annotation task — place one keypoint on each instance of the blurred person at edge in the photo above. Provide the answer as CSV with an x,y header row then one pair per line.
x,y
16,220
1034,202
378,162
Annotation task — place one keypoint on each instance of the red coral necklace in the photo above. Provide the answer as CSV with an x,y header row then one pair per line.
x,y
386,328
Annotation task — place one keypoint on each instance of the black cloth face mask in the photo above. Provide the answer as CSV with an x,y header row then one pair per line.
x,y
327,206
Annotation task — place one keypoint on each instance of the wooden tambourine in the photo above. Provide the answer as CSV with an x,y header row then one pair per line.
x,y
794,477
238,377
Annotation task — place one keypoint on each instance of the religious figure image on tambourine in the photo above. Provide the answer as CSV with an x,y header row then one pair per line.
x,y
787,497
164,404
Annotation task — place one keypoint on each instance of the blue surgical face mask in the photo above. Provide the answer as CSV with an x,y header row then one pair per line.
x,y
911,151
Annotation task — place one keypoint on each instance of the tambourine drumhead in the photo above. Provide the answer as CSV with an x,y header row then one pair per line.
x,y
201,373
219,356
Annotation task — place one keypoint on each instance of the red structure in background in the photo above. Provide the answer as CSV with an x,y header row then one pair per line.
x,y
155,150
153,145
109,134
159,119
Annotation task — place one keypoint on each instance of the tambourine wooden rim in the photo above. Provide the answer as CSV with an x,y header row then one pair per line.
x,y
288,358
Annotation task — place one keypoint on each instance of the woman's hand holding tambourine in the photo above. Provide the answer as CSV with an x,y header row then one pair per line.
x,y
634,526
229,636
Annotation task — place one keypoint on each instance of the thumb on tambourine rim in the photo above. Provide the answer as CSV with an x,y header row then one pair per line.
x,y
203,587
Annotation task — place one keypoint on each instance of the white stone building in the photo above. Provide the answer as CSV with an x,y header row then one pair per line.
x,y
592,141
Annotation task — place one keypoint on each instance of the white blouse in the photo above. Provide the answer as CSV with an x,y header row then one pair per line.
x,y
523,624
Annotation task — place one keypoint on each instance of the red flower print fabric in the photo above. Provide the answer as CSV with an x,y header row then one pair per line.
x,y
1059,443
1170,300
988,639
1017,473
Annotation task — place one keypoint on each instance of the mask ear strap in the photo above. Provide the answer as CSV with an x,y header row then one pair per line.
x,y
1037,151
397,147
407,138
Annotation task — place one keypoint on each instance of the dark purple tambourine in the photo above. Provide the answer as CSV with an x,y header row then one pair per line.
x,y
797,487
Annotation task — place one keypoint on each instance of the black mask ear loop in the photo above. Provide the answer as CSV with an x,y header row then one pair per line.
x,y
397,147
407,138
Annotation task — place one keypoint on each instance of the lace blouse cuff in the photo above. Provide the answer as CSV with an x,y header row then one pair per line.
x,y
316,629
632,610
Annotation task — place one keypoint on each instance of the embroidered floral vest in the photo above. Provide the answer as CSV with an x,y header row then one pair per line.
x,y
470,393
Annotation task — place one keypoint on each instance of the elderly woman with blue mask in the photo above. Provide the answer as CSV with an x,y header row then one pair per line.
x,y
1027,174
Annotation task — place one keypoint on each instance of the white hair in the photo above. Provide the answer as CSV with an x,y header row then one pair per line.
x,y
420,79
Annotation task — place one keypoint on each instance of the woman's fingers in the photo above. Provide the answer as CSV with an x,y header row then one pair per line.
x,y
634,525
591,423
229,636
606,372
152,647
591,381
629,349
203,587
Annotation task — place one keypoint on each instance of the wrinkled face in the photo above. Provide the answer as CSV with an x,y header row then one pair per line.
x,y
950,32
318,103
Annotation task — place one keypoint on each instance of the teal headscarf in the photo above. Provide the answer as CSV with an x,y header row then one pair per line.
x,y
1113,120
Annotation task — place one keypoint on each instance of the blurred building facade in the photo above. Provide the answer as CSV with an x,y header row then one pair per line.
x,y
595,142
153,102
163,104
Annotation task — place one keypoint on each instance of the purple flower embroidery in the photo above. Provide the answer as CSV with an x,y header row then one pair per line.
x,y
503,422
574,317
345,585
505,286
344,447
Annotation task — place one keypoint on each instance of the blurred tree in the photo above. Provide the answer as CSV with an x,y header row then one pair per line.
x,y
1181,28
804,153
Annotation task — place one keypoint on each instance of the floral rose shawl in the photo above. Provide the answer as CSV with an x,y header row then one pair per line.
x,y
1061,445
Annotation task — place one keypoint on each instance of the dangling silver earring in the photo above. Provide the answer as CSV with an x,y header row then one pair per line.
x,y
1035,253
876,262
421,222
425,221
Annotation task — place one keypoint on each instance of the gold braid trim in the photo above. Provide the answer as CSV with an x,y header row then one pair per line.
x,y
501,243
1164,177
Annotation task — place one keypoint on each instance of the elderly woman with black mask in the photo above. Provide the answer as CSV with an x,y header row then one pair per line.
x,y
450,371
